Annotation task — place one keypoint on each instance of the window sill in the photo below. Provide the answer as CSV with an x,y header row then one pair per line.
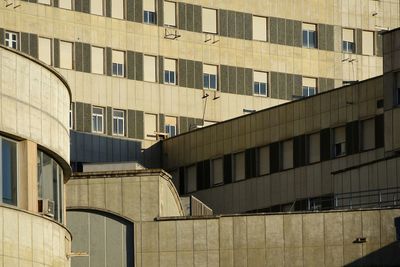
x,y
263,96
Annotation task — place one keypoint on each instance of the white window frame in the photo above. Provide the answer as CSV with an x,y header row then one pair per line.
x,y
307,88
118,69
257,85
98,117
170,73
172,24
207,78
8,40
348,46
309,33
117,117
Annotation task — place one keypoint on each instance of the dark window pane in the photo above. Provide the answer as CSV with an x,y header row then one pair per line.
x,y
206,81
263,89
312,39
305,38
115,68
166,76
213,81
172,77
9,172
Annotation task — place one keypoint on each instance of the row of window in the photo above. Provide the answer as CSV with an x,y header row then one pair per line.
x,y
118,126
210,72
50,177
210,23
296,152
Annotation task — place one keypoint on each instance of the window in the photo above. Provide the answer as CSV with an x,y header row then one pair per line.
x,y
118,122
50,183
239,166
150,126
191,179
309,86
340,141
71,117
259,28
8,170
368,43
263,160
97,60
169,71
45,50
45,2
96,7
348,41
288,154
260,83
97,119
66,55
170,14
11,39
117,9
314,148
118,63
368,134
65,4
149,9
210,77
209,20
170,126
309,35
217,171
397,90
149,68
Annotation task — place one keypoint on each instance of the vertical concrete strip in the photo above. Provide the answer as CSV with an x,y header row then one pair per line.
x,y
56,53
198,72
224,79
138,11
182,16
248,26
86,58
223,22
182,72
138,66
130,65
198,19
108,61
33,45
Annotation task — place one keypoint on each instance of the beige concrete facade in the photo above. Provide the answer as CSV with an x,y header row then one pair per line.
x,y
28,239
34,104
286,239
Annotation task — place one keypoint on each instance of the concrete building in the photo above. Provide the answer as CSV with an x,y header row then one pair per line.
x,y
143,69
34,165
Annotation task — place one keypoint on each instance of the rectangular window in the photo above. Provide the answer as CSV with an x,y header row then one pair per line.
x,y
66,4
45,2
170,126
314,148
288,154
66,55
263,160
170,13
11,39
169,71
97,120
150,126
119,122
368,134
8,171
348,41
118,63
260,83
209,19
339,141
45,50
71,117
149,12
309,86
96,7
149,64
368,43
191,179
97,60
117,9
309,35
259,28
239,166
210,77
217,171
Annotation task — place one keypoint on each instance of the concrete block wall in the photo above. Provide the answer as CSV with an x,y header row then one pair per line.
x,y
31,240
34,102
313,239
135,195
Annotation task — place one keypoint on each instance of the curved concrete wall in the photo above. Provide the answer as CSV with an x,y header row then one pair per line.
x,y
27,239
34,102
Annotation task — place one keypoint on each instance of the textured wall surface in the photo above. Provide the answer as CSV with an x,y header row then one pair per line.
x,y
34,103
28,239
313,239
136,195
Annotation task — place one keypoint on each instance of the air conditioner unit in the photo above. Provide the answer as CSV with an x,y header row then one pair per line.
x,y
46,207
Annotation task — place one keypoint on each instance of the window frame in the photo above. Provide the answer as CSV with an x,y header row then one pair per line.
x,y
175,14
212,168
14,202
71,117
10,41
168,73
149,17
259,83
101,116
208,76
347,46
309,34
342,144
121,65
115,122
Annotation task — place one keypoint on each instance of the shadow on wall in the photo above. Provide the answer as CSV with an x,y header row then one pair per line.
x,y
385,256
